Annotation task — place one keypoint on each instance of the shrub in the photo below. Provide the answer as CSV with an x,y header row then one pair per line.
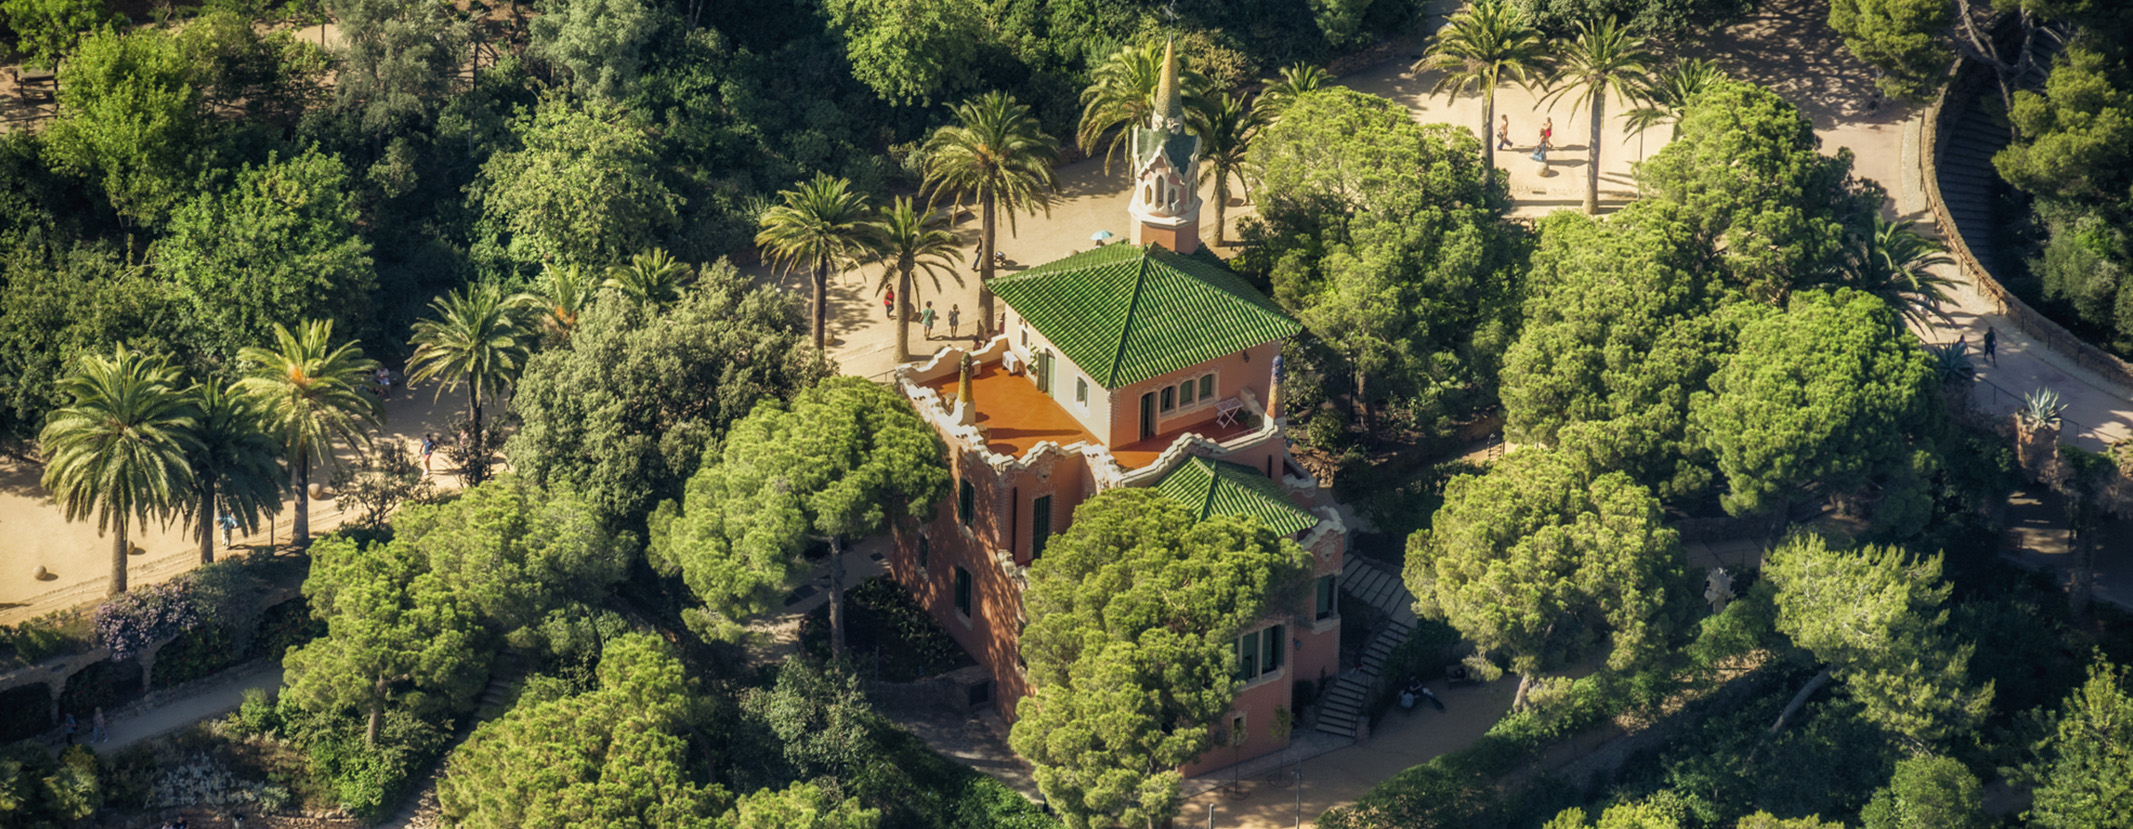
x,y
44,637
889,634
257,715
130,623
194,654
282,627
104,684
25,710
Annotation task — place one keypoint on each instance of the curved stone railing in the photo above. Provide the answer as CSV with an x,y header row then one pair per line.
x,y
1938,125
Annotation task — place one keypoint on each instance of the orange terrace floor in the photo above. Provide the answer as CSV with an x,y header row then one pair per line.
x,y
1015,417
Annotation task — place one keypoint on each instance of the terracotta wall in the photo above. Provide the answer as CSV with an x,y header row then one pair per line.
x,y
1252,369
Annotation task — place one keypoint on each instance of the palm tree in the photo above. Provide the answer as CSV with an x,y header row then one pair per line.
x,y
1604,57
1666,95
999,157
559,296
1226,131
651,277
476,338
824,226
119,450
235,463
1894,263
1480,47
1121,94
1296,80
310,392
910,241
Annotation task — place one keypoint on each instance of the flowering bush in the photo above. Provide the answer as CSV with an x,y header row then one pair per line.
x,y
131,622
201,781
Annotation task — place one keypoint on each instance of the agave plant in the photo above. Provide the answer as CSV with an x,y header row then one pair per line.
x,y
1952,362
2042,408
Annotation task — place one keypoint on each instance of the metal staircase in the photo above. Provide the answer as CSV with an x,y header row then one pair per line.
x,y
1346,706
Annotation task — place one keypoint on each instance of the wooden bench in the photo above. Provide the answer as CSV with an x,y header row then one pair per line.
x,y
40,82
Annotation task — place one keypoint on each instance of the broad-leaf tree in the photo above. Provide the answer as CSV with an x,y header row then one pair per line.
x,y
277,247
847,457
1604,59
617,755
1927,792
118,450
130,122
997,155
237,469
1480,47
397,60
909,51
583,189
1822,400
1872,617
311,393
598,44
1134,613
477,338
1539,556
392,627
623,411
46,30
912,241
802,805
1902,38
512,552
1226,129
822,226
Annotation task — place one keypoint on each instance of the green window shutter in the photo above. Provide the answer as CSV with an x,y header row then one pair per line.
x,y
962,591
966,503
1040,527
1275,638
1325,597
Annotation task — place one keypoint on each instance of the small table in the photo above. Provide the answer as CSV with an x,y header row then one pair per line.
x,y
1226,411
1012,362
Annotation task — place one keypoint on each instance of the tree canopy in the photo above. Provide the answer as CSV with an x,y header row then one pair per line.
x,y
909,51
2088,770
599,44
1540,558
1134,612
582,188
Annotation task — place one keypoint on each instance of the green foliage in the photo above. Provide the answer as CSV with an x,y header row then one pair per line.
x,y
1480,47
1121,97
824,226
1622,326
511,552
848,457
800,806
599,44
1133,615
1928,792
2088,757
397,60
617,755
909,51
273,77
1905,39
582,188
1746,166
1873,617
237,469
366,777
998,156
119,451
382,478
625,410
1540,557
311,393
1649,18
477,339
891,634
64,303
1826,398
278,247
2082,270
2075,138
1384,238
46,30
130,122
1604,57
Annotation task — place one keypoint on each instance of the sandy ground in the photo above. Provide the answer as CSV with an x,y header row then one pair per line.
x,y
34,532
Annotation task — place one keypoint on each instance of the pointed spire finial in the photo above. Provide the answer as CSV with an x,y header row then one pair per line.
x,y
1167,110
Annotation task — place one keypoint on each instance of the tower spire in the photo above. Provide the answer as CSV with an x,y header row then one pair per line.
x,y
1167,110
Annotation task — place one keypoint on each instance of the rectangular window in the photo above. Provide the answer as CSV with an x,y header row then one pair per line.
x,y
1185,393
1260,652
1325,597
963,599
925,552
966,503
1081,390
1040,526
1170,398
1207,387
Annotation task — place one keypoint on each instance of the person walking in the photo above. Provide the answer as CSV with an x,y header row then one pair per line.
x,y
1503,133
97,733
955,319
1548,135
429,447
228,522
1992,346
888,303
70,728
925,319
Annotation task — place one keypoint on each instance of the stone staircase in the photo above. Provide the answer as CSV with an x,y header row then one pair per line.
x,y
419,808
1345,707
1968,181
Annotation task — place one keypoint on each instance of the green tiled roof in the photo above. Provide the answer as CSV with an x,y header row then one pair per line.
x,y
1222,488
1125,314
